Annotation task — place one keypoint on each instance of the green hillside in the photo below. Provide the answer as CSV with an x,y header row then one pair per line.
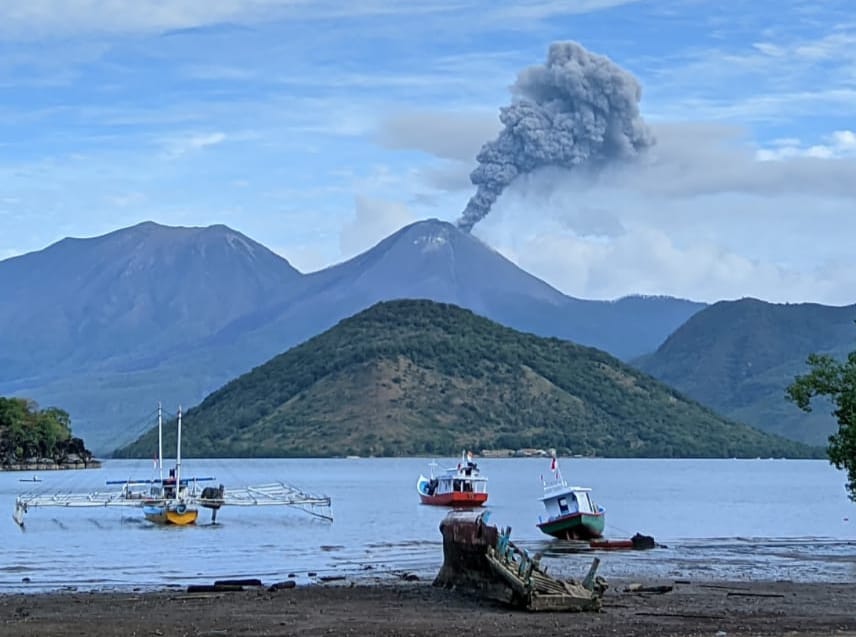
x,y
417,377
737,357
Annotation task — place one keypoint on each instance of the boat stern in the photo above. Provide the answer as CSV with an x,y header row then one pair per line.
x,y
18,513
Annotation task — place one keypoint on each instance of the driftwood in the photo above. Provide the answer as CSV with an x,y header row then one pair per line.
x,y
214,588
238,582
279,586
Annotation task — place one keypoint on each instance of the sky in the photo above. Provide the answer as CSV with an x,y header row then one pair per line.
x,y
319,127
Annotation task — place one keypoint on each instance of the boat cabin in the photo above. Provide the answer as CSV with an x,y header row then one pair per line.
x,y
457,482
567,501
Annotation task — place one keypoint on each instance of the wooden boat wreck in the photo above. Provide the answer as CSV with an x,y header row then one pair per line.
x,y
482,559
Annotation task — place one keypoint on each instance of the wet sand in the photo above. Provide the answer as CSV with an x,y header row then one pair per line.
x,y
417,609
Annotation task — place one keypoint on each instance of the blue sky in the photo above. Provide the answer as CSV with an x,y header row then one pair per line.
x,y
319,127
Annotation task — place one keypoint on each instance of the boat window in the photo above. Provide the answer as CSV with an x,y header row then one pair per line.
x,y
563,505
574,505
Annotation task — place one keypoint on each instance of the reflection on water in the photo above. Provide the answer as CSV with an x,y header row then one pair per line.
x,y
714,519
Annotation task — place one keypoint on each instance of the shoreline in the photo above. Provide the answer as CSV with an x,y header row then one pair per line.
x,y
44,466
418,608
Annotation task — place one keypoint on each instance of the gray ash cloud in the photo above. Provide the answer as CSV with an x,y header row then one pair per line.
x,y
577,109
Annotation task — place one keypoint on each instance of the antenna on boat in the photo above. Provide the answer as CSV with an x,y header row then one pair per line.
x,y
160,442
178,456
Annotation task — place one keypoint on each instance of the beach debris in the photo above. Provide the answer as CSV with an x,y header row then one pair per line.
x,y
639,588
214,588
480,558
238,582
279,586
224,586
638,542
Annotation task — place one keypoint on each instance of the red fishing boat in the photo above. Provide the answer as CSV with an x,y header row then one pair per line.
x,y
462,486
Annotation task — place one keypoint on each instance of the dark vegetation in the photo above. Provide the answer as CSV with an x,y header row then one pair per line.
x,y
27,432
837,381
738,357
417,377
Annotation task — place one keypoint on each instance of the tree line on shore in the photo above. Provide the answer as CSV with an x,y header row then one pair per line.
x,y
29,434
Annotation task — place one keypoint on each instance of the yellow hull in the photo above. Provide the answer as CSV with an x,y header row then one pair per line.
x,y
181,519
180,516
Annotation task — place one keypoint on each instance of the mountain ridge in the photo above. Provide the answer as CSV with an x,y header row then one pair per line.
x,y
419,377
739,356
105,325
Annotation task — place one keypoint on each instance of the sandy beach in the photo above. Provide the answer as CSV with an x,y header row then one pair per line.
x,y
417,608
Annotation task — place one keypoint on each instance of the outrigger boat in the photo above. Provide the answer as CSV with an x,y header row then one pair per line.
x,y
462,486
571,513
169,501
175,500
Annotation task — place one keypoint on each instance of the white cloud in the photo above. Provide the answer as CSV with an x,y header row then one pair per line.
x,y
648,261
373,220
540,9
778,79
40,18
125,200
841,143
177,146
35,18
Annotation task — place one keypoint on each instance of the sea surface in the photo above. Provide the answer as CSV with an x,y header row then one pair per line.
x,y
714,519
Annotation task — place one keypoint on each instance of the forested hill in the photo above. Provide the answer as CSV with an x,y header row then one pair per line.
x,y
737,357
418,377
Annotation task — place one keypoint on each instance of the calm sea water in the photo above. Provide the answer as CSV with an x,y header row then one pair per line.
x,y
718,519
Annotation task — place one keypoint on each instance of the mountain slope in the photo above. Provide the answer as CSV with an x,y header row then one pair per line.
x,y
108,326
408,377
434,260
136,292
737,357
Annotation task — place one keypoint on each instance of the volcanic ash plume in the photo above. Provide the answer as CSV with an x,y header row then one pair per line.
x,y
577,109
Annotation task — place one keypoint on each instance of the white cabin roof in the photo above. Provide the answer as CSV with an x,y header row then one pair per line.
x,y
554,491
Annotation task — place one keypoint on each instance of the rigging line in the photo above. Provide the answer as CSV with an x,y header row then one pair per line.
x,y
143,424
138,468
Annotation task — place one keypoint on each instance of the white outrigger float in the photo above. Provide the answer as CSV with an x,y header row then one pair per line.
x,y
176,500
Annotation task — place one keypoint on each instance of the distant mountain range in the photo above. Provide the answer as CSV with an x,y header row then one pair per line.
x,y
106,327
419,377
737,357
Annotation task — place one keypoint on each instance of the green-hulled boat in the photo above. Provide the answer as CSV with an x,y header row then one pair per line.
x,y
571,514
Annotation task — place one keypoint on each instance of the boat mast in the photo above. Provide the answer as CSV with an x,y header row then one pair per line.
x,y
160,442
178,456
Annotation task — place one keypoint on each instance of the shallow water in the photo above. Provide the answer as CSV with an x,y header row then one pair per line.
x,y
718,519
